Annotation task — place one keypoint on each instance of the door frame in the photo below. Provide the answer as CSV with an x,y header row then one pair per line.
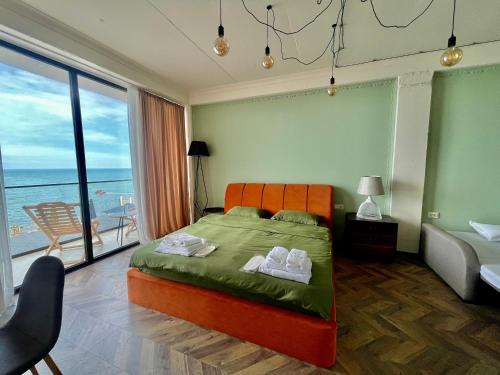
x,y
73,74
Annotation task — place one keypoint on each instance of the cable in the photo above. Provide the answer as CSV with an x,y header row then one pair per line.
x,y
416,53
453,18
397,26
283,57
267,26
333,47
340,32
330,41
220,12
288,32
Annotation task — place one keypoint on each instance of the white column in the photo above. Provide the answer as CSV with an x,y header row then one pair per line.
x,y
410,152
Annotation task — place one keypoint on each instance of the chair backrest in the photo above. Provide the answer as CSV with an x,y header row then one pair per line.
x,y
55,218
39,308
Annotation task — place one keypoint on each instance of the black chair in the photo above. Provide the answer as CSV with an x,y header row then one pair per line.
x,y
33,330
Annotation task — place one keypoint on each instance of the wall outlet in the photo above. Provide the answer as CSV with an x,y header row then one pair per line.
x,y
339,206
433,215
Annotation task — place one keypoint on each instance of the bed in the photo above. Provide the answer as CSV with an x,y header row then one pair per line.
x,y
462,260
289,317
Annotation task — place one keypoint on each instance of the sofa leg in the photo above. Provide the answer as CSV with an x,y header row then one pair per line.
x,y
52,365
34,371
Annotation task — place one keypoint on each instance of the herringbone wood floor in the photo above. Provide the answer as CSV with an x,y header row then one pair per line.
x,y
395,318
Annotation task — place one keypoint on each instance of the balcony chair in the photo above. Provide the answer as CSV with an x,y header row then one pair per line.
x,y
132,219
57,219
33,330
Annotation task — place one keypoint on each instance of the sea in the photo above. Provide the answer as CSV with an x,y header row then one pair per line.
x,y
105,187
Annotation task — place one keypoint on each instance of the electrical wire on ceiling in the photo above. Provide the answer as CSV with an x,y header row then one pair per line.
x,y
336,44
397,26
341,32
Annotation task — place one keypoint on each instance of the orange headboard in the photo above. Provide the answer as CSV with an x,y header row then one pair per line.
x,y
316,199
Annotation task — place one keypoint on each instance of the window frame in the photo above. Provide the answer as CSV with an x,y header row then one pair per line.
x,y
73,74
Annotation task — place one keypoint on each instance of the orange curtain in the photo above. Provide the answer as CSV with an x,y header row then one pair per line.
x,y
164,165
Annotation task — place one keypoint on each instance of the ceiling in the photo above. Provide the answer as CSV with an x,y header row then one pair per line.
x,y
174,38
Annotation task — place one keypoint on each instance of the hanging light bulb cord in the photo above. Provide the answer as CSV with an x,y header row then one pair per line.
x,y
453,18
333,46
220,12
267,25
339,35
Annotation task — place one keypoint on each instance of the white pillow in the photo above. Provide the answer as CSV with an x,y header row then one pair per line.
x,y
488,231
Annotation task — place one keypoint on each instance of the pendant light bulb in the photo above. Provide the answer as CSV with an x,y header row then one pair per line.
x,y
453,55
268,61
221,44
332,89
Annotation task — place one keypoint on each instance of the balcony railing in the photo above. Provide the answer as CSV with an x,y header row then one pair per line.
x,y
26,237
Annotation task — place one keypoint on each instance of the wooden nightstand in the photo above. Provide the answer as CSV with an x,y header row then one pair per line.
x,y
370,237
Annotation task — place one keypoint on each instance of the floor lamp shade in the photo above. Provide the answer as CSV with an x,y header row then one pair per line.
x,y
198,148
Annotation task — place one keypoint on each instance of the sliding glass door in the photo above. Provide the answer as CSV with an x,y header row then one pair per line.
x,y
66,161
107,154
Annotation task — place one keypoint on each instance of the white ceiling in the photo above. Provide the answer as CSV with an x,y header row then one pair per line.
x,y
174,38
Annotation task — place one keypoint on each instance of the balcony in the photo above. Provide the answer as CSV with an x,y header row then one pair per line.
x,y
33,233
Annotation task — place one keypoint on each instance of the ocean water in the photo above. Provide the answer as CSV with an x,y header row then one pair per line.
x,y
104,195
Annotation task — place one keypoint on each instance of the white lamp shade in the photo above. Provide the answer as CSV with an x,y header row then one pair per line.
x,y
371,185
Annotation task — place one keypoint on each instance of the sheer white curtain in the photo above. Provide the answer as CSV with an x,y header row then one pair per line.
x,y
6,281
137,155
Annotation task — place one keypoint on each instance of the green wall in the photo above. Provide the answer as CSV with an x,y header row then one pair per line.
x,y
463,170
304,137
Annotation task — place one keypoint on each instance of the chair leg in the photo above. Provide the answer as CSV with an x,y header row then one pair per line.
x,y
34,371
95,232
53,245
52,365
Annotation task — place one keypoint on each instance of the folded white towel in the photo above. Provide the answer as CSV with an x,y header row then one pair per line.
x,y
181,239
276,258
209,248
253,264
296,260
301,278
166,248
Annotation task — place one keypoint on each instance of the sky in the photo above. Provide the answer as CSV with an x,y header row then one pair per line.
x,y
36,128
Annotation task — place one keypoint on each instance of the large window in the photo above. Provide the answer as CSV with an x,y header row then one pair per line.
x,y
66,161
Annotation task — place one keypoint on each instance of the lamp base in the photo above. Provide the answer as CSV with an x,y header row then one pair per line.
x,y
369,210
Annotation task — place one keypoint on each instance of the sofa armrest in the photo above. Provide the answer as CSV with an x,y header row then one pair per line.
x,y
453,259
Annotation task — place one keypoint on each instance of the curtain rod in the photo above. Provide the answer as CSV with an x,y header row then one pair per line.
x,y
149,91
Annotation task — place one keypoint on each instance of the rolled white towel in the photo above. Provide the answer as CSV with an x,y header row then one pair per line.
x,y
296,258
304,269
276,258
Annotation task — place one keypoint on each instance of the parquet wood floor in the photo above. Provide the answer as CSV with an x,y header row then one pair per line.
x,y
395,318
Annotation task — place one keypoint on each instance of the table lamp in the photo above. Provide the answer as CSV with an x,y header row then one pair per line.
x,y
370,186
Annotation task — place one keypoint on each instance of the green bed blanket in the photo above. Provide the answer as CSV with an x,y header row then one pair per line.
x,y
239,239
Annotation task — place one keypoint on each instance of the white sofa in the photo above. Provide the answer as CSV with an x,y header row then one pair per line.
x,y
461,259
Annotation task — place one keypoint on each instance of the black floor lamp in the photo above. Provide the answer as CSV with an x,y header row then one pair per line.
x,y
199,149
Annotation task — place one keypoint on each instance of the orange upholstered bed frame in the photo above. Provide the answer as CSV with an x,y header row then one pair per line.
x,y
305,337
